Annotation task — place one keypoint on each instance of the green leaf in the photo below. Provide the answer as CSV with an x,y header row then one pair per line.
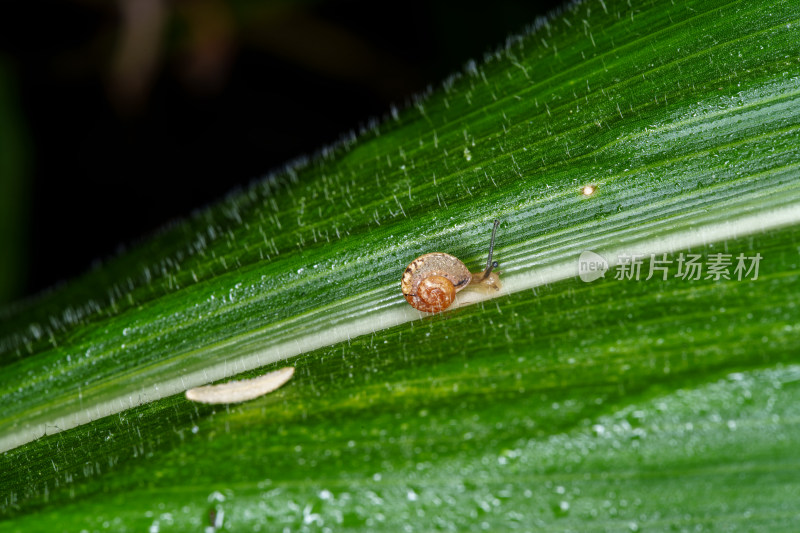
x,y
608,405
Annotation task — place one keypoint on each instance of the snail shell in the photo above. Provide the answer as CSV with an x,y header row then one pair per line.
x,y
431,281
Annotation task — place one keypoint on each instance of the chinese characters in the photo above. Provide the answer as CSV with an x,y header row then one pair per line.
x,y
689,267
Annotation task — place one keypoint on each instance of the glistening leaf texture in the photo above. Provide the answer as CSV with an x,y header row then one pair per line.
x,y
577,406
604,406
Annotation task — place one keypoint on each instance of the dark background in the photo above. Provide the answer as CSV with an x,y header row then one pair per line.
x,y
119,116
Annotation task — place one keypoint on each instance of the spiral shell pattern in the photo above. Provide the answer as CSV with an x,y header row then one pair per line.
x,y
431,281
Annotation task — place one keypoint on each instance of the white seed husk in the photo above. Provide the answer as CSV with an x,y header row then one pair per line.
x,y
241,391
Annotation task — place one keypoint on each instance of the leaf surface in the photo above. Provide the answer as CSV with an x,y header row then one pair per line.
x,y
661,403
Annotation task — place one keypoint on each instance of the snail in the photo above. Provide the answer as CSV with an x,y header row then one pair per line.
x,y
431,281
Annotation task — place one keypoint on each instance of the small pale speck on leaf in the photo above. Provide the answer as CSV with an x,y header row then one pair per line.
x,y
241,391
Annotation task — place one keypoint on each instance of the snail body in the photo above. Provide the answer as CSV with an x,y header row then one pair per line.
x,y
431,281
